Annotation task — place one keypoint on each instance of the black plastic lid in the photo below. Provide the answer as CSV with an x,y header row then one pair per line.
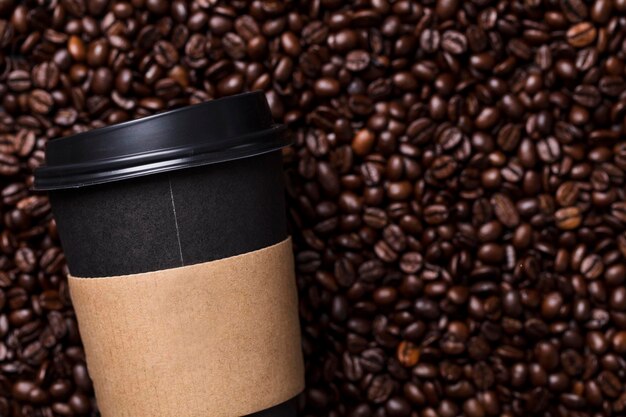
x,y
220,130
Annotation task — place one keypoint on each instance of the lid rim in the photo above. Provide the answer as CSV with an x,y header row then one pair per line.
x,y
157,155
214,131
61,182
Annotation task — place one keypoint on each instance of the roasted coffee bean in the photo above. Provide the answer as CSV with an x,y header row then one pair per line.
x,y
436,214
380,389
45,75
454,42
9,165
587,95
611,85
408,354
504,210
443,167
19,80
40,101
549,149
618,210
591,266
326,87
610,384
430,40
450,138
357,60
568,218
601,11
363,142
581,34
411,262
509,137
586,58
567,194
574,10
76,48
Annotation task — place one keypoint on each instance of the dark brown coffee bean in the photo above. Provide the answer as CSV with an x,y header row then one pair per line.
x,y
19,80
483,376
549,149
385,252
609,384
357,60
326,87
66,117
612,85
98,53
446,9
290,44
601,11
574,10
247,27
79,403
380,389
328,178
40,101
315,33
408,354
619,342
454,42
591,266
436,214
572,362
568,218
581,34
74,7
363,142
618,210
234,45
509,137
404,81
586,58
504,210
76,48
9,165
165,54
473,408
443,167
21,390
45,75
411,262
430,40
398,191
102,81
587,95
449,138
344,40
567,194
398,407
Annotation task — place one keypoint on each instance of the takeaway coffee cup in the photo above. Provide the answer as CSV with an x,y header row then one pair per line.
x,y
181,270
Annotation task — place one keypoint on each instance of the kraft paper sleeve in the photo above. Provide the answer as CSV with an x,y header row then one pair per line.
x,y
217,339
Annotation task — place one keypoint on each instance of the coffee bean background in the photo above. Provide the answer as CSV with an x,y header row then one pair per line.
x,y
456,191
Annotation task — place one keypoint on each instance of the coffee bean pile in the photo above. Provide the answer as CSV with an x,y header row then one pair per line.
x,y
456,190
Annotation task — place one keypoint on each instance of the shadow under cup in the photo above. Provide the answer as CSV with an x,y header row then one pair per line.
x,y
159,209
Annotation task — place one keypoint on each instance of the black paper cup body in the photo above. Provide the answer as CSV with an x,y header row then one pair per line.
x,y
176,209
172,219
